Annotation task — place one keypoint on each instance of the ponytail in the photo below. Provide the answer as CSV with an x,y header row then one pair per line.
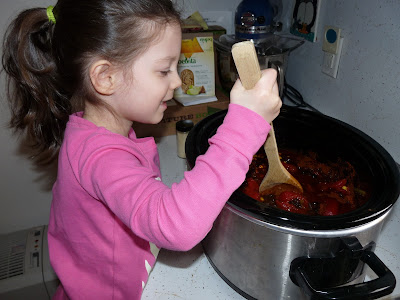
x,y
37,100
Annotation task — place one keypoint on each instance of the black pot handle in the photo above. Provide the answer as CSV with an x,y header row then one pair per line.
x,y
277,65
373,289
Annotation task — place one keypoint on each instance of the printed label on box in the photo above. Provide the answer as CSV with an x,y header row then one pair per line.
x,y
196,70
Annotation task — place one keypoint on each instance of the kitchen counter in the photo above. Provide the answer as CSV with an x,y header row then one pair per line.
x,y
190,276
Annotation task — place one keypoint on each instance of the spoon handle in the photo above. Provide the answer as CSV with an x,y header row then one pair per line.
x,y
246,61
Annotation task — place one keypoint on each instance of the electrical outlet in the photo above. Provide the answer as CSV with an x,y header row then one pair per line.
x,y
330,64
332,47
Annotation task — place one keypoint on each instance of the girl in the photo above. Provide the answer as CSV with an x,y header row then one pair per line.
x,y
117,61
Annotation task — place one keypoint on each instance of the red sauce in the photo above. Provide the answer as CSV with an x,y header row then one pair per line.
x,y
329,188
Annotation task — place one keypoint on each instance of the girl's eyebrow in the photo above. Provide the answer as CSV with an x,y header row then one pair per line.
x,y
167,59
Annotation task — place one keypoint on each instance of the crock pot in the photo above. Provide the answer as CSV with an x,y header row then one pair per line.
x,y
266,253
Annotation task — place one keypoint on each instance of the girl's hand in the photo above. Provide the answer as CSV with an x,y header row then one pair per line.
x,y
263,98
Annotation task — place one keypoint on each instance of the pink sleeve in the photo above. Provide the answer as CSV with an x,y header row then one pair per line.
x,y
179,217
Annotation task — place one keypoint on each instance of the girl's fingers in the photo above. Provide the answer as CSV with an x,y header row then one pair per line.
x,y
237,84
275,88
269,77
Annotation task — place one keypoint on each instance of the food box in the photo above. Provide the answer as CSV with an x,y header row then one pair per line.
x,y
176,112
196,69
216,30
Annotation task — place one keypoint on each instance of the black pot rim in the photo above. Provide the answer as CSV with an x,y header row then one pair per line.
x,y
382,166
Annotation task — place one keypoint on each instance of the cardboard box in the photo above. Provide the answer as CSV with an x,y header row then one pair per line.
x,y
176,112
216,30
196,69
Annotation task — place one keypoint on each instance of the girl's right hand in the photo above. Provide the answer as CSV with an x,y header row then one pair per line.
x,y
263,98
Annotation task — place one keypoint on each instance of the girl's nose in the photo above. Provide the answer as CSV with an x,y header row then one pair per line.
x,y
176,81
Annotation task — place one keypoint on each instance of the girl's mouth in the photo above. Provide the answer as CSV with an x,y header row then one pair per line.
x,y
164,104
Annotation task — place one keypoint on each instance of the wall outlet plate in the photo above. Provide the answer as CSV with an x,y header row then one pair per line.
x,y
331,39
330,64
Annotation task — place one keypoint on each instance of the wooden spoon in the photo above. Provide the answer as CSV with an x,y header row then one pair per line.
x,y
248,67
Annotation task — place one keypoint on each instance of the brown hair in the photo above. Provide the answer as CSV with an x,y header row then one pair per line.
x,y
47,63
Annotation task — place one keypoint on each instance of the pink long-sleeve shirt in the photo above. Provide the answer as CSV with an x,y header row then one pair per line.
x,y
111,212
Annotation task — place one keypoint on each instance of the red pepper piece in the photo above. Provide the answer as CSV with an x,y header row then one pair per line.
x,y
330,207
251,189
293,202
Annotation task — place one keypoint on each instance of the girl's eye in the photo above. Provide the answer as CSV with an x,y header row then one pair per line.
x,y
165,73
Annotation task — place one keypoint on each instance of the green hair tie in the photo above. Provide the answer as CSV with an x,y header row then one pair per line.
x,y
50,14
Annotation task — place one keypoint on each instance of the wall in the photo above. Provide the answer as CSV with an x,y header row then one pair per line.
x,y
24,189
366,92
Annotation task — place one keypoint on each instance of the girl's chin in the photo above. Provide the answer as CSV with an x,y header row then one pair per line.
x,y
158,119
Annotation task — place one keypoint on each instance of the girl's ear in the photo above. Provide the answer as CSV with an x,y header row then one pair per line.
x,y
103,77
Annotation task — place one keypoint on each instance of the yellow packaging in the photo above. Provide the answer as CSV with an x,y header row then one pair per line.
x,y
196,69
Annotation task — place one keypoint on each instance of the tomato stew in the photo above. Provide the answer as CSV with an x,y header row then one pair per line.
x,y
329,188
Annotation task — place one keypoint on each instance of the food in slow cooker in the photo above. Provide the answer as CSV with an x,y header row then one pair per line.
x,y
329,187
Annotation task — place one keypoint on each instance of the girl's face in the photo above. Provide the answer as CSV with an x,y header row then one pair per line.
x,y
143,96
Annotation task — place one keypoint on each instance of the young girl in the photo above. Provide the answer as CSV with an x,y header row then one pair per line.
x,y
117,61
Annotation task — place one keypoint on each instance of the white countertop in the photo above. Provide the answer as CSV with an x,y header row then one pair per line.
x,y
189,275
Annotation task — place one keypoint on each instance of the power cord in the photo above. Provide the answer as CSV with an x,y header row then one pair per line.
x,y
294,96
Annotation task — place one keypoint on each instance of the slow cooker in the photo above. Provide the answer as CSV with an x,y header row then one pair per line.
x,y
266,253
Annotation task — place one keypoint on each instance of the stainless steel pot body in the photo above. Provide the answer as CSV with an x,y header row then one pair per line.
x,y
255,257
